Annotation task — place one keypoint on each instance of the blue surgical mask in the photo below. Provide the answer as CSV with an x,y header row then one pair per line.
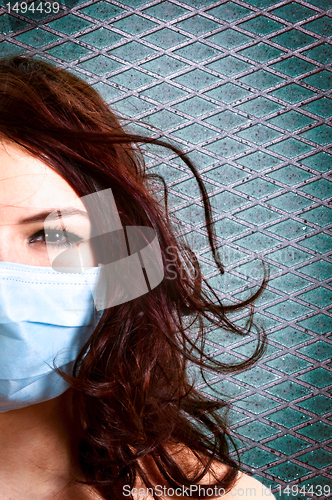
x,y
45,319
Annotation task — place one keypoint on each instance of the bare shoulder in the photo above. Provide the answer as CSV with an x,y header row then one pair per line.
x,y
244,488
249,488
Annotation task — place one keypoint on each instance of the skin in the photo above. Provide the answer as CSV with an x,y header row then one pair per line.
x,y
38,443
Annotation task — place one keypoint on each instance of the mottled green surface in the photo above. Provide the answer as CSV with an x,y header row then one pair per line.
x,y
244,88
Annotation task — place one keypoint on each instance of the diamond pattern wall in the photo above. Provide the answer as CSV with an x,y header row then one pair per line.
x,y
244,88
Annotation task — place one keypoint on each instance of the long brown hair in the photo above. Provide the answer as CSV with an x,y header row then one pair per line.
x,y
132,397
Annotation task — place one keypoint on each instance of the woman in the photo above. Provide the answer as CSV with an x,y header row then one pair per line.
x,y
118,415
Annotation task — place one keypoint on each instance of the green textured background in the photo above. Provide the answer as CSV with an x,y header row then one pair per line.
x,y
244,88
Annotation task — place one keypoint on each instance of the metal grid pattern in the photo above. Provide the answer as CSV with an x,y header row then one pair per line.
x,y
244,88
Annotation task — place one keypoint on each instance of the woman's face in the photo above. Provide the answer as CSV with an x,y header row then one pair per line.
x,y
29,191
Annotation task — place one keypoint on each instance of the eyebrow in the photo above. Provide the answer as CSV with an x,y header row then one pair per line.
x,y
54,214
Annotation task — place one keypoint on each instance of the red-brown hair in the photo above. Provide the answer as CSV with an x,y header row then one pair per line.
x,y
132,397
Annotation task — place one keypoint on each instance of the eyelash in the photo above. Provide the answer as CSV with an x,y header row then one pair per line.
x,y
73,238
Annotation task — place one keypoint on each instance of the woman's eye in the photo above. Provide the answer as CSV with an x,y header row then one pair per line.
x,y
55,237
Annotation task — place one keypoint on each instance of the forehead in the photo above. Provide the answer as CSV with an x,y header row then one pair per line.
x,y
26,181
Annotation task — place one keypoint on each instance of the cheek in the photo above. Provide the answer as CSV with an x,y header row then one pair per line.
x,y
36,255
12,250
